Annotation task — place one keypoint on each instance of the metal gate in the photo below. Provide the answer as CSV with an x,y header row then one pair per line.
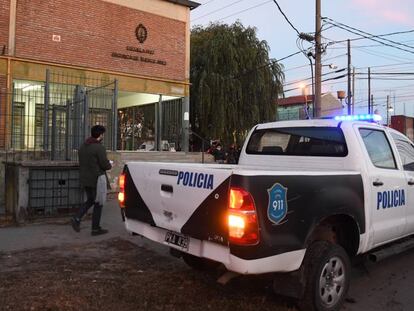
x,y
49,121
41,134
73,117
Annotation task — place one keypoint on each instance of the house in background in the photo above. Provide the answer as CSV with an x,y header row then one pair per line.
x,y
293,107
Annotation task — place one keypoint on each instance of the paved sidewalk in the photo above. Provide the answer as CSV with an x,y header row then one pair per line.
x,y
57,232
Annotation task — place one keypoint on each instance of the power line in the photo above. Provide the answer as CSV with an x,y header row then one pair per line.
x,y
388,89
369,34
294,68
362,46
334,57
388,79
388,73
245,10
330,79
286,18
207,2
382,55
387,65
325,74
307,65
217,10
283,58
271,62
376,53
382,35
371,38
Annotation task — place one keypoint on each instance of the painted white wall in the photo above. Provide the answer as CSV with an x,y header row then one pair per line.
x,y
129,99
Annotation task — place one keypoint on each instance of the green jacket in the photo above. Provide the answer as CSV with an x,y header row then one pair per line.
x,y
92,162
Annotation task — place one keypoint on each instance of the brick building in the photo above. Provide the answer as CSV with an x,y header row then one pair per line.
x,y
67,65
293,107
143,45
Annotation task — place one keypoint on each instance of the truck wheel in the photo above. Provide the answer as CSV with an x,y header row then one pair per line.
x,y
201,264
327,275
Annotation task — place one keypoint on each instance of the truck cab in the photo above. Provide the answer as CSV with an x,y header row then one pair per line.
x,y
305,197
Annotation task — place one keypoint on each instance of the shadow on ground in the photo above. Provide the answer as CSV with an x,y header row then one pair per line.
x,y
118,275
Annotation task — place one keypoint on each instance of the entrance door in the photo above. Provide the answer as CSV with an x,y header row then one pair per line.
x,y
387,187
406,152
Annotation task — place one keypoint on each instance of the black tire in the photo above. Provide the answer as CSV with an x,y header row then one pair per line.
x,y
201,264
327,272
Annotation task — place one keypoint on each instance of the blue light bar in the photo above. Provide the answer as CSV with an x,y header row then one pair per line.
x,y
359,117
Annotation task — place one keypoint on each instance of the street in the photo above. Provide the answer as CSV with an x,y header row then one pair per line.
x,y
48,266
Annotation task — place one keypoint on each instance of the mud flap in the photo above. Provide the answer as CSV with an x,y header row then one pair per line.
x,y
290,284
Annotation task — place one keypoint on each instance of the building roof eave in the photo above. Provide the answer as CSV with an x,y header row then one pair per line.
x,y
191,4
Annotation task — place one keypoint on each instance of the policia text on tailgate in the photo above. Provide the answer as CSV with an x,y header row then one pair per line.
x,y
305,197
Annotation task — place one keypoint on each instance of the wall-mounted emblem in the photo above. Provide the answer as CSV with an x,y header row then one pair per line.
x,y
141,33
277,208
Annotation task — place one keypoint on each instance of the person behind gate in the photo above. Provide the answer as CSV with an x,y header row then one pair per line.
x,y
93,164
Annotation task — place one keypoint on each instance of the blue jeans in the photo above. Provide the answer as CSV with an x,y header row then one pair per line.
x,y
97,208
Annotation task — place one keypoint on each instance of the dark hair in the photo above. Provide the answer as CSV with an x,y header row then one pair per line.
x,y
97,130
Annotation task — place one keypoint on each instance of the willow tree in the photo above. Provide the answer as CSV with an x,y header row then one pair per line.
x,y
234,83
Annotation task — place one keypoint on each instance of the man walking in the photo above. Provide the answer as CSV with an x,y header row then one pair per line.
x,y
93,163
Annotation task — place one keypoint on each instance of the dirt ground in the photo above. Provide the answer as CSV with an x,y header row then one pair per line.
x,y
118,275
49,267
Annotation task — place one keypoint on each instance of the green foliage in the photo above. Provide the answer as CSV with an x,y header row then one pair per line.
x,y
234,83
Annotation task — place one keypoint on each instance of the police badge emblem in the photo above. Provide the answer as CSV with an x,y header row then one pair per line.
x,y
277,207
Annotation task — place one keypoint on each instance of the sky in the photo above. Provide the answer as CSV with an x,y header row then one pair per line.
x,y
375,17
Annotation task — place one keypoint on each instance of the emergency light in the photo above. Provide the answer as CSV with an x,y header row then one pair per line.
x,y
359,117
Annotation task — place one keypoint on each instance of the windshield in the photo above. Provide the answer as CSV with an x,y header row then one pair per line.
x,y
298,141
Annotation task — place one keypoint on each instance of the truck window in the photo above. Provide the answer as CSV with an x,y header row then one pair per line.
x,y
378,148
298,141
405,150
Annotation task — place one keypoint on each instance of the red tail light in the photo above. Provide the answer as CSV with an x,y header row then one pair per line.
x,y
121,194
242,218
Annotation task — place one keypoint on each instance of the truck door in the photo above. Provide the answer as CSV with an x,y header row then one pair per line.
x,y
405,150
387,191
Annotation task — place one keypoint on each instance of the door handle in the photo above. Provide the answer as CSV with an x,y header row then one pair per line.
x,y
411,182
377,183
167,188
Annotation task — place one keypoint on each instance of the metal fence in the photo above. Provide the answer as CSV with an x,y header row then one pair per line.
x,y
137,126
50,120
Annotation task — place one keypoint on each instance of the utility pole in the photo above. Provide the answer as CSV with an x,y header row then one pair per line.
x,y
372,103
349,77
353,90
388,109
369,90
318,64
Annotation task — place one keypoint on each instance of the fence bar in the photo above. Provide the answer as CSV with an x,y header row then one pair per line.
x,y
68,130
53,144
186,123
86,116
46,112
115,116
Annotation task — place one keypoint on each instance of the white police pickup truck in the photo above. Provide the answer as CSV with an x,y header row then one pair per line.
x,y
305,197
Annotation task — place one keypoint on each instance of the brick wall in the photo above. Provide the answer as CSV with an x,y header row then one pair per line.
x,y
91,31
4,24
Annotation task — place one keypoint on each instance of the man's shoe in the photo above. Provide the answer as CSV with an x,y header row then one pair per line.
x,y
75,224
99,231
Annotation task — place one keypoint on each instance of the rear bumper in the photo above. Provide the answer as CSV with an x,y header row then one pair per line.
x,y
285,262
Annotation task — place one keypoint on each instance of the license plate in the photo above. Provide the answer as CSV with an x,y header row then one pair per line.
x,y
177,239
